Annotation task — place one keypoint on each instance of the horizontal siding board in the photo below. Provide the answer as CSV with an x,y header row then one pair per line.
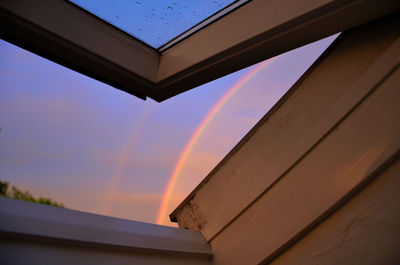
x,y
364,231
355,149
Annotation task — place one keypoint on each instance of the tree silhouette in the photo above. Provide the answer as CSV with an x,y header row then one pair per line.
x,y
16,193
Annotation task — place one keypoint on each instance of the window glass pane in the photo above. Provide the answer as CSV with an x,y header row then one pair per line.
x,y
97,149
154,22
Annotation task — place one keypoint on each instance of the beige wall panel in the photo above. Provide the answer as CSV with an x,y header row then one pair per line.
x,y
290,129
365,231
346,158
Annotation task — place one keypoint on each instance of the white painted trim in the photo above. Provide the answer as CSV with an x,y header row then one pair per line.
x,y
32,219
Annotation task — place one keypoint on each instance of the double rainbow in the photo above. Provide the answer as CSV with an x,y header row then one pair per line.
x,y
123,161
162,212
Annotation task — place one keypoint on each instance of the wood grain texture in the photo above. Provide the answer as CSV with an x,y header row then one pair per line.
x,y
365,231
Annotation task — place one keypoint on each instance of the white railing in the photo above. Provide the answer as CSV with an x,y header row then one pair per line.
x,y
39,234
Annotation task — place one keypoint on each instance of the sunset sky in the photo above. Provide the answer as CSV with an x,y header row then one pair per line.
x,y
97,149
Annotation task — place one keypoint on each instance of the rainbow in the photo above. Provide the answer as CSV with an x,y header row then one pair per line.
x,y
198,132
124,159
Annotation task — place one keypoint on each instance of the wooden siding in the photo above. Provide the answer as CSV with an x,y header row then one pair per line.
x,y
334,131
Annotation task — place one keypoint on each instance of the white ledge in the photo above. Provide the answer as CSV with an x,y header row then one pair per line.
x,y
31,219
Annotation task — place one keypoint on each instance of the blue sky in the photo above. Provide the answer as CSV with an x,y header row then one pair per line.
x,y
64,135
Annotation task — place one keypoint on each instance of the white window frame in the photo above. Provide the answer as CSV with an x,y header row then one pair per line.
x,y
256,31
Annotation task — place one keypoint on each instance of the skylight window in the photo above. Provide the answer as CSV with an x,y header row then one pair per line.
x,y
155,22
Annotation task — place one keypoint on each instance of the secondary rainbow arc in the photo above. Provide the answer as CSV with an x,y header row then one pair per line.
x,y
123,161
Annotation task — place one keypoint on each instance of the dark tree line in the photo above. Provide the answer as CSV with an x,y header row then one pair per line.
x,y
14,192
